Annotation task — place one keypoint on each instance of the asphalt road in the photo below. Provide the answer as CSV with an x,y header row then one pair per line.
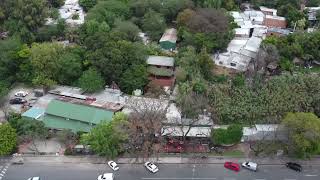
x,y
167,172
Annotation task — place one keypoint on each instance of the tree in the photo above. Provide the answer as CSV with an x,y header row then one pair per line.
x,y
304,134
87,4
170,9
56,3
129,30
67,137
25,17
134,78
45,62
91,81
107,138
231,135
205,64
8,139
140,7
153,24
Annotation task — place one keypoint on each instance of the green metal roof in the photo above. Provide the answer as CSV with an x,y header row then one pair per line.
x,y
34,113
78,112
56,122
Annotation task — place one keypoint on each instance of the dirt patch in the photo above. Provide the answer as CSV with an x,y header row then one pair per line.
x,y
220,70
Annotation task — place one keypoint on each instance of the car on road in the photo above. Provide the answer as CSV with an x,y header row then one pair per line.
x,y
106,176
34,178
231,165
21,94
250,165
294,166
151,167
17,101
113,165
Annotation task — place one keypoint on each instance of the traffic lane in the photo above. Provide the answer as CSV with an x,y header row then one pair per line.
x,y
56,171
272,172
166,172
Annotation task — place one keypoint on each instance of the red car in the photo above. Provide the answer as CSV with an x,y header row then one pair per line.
x,y
232,166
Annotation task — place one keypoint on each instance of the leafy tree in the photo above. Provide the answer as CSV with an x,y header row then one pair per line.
x,y
9,59
207,28
230,135
91,81
205,64
129,30
49,32
25,17
107,138
170,9
56,3
140,7
153,24
87,4
45,62
67,137
134,78
4,89
304,134
8,139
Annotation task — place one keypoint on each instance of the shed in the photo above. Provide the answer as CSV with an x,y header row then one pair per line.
x,y
169,39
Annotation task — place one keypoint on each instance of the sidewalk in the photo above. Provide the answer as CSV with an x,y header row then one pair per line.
x,y
162,160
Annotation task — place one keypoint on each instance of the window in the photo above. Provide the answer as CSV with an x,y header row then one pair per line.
x,y
233,64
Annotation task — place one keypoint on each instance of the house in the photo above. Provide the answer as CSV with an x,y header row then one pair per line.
x,y
275,21
263,132
312,14
76,117
268,11
72,12
169,39
161,70
278,32
242,32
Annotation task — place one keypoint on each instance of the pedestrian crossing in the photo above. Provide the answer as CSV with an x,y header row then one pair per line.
x,y
4,165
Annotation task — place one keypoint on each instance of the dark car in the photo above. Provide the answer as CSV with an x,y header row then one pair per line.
x,y
294,166
17,101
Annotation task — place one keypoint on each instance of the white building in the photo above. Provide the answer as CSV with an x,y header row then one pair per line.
x,y
72,12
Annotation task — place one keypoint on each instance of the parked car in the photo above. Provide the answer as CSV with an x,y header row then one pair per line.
x,y
17,101
21,94
113,165
34,178
106,176
294,166
250,165
151,167
231,165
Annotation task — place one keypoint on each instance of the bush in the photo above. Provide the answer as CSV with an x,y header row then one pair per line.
x,y
68,151
231,135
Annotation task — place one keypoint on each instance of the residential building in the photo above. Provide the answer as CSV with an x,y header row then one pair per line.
x,y
161,70
169,39
275,21
268,11
263,132
61,114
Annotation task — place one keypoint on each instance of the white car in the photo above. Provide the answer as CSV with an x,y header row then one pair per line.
x,y
113,165
106,176
151,167
34,178
250,165
21,94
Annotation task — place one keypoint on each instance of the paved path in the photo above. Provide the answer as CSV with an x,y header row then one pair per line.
x,y
70,171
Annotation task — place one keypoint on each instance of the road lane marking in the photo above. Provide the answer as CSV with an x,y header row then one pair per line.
x,y
289,179
260,179
1,175
311,175
177,178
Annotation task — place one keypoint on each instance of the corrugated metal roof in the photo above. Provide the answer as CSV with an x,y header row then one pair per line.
x,y
160,61
78,112
34,113
169,35
56,122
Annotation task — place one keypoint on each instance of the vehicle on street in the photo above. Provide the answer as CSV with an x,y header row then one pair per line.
x,y
21,94
231,165
294,166
151,167
250,165
113,165
17,101
106,176
34,178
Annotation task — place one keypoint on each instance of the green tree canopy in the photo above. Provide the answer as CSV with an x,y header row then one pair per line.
x,y
304,134
154,25
231,135
107,138
134,78
91,81
8,139
87,4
